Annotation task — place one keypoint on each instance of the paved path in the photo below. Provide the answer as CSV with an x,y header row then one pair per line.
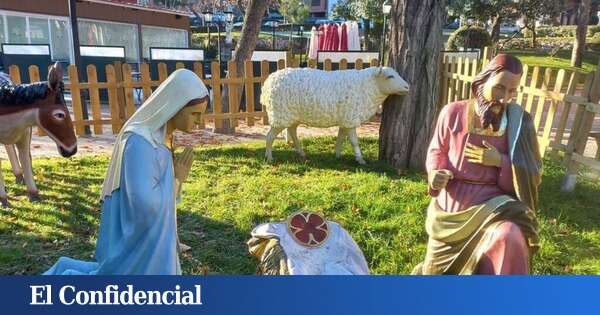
x,y
103,144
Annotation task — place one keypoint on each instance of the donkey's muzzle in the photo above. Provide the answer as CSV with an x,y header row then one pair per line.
x,y
66,153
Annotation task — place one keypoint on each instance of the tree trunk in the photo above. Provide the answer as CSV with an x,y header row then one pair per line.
x,y
583,14
244,49
415,44
250,31
496,21
533,35
241,7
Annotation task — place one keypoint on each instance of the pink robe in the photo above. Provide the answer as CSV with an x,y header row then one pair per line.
x,y
334,39
322,37
508,252
343,38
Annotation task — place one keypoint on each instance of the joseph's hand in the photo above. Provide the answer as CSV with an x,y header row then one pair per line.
x,y
183,164
438,179
487,155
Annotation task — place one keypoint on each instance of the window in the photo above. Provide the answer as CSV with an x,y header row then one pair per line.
x,y
162,37
17,29
110,34
61,42
2,37
22,29
38,31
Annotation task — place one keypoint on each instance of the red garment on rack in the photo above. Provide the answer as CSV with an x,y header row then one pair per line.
x,y
335,38
323,37
344,38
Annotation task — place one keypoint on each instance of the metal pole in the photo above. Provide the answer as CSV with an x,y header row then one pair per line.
x,y
219,41
208,30
383,40
141,45
302,46
77,57
272,36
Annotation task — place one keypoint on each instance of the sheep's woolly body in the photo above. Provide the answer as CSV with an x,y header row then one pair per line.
x,y
319,98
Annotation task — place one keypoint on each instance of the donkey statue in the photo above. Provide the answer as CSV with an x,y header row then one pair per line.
x,y
23,106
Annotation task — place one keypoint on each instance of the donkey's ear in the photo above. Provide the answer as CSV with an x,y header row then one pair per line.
x,y
55,75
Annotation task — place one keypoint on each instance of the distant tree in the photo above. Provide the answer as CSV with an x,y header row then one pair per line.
x,y
537,10
343,10
583,12
295,11
171,4
496,11
366,10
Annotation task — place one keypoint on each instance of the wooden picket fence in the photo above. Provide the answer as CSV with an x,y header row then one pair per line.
x,y
120,87
548,95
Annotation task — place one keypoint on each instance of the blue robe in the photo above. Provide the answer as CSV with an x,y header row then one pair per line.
x,y
138,229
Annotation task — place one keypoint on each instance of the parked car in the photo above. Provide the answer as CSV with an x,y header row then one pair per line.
x,y
271,23
509,28
452,25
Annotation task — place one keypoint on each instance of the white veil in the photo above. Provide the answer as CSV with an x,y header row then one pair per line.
x,y
149,120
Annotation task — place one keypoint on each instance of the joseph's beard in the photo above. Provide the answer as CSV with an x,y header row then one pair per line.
x,y
484,110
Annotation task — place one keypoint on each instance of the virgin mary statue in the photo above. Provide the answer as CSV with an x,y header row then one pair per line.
x,y
138,229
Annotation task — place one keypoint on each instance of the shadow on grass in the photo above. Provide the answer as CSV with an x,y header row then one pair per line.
x,y
65,223
320,155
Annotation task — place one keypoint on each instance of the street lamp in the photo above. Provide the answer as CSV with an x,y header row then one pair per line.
x,y
229,16
386,9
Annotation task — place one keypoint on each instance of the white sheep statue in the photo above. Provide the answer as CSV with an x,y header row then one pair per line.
x,y
316,98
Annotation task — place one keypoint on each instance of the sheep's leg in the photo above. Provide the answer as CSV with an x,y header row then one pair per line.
x,y
340,142
286,135
354,140
292,132
273,132
3,195
24,148
14,162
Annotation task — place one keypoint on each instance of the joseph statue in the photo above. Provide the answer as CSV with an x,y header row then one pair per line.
x,y
484,168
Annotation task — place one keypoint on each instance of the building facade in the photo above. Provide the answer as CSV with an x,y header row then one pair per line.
x,y
322,8
127,23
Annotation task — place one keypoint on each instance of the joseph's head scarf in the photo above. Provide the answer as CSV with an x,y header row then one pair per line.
x,y
181,87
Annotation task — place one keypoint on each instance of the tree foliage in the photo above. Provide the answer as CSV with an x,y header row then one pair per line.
x,y
295,11
483,10
359,9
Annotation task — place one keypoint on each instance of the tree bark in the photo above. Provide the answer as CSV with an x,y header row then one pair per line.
x,y
583,18
408,122
533,35
243,50
496,21
250,31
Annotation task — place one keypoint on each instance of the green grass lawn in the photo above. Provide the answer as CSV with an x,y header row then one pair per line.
x,y
232,189
561,60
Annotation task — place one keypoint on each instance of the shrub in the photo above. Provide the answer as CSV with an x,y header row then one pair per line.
x,y
475,37
594,43
561,31
544,43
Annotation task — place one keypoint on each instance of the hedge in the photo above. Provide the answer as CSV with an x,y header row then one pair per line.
x,y
549,43
561,31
